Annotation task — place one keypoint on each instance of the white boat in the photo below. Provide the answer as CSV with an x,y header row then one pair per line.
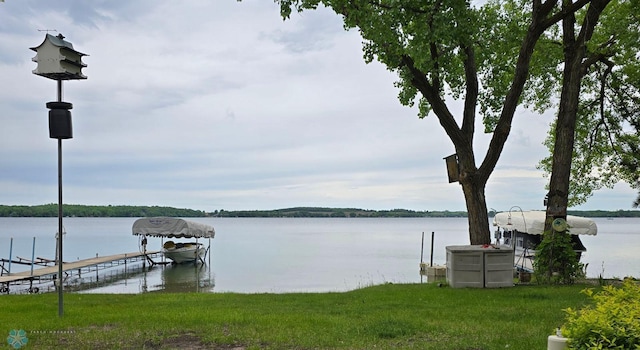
x,y
525,229
166,227
183,252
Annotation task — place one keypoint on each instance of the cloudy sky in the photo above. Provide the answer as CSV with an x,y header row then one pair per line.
x,y
222,105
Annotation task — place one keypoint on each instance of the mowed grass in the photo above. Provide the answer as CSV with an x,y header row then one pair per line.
x,y
390,316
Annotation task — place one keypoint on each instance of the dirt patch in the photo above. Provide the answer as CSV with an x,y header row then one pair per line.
x,y
188,341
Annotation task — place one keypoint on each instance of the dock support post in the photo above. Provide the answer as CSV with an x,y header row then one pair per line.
x,y
162,245
10,257
431,261
33,254
422,249
147,257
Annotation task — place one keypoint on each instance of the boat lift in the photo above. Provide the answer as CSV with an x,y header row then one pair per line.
x,y
168,227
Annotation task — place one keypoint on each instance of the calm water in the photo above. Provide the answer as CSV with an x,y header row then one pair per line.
x,y
256,255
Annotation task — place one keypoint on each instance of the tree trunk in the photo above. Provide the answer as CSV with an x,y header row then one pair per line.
x,y
574,52
473,187
574,70
479,232
563,148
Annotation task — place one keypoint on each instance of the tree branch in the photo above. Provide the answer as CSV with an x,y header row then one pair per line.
x,y
537,26
603,84
432,95
471,98
557,17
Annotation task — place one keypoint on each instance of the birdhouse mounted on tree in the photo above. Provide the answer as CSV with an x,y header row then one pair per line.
x,y
453,168
58,60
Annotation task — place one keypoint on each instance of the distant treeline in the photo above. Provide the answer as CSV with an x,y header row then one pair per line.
x,y
311,212
74,210
605,214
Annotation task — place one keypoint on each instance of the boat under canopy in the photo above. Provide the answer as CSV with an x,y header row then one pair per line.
x,y
180,252
532,222
172,228
523,231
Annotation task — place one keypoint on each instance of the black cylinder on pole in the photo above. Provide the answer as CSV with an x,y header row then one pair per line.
x,y
60,120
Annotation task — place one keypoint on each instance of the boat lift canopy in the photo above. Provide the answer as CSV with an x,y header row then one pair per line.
x,y
532,222
172,228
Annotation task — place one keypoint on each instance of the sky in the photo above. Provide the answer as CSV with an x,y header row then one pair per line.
x,y
213,105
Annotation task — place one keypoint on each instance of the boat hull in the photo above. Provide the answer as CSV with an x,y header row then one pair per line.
x,y
189,253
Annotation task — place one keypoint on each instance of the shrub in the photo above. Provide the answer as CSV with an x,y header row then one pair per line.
x,y
556,261
611,322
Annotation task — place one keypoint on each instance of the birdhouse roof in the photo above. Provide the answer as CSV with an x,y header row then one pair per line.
x,y
59,42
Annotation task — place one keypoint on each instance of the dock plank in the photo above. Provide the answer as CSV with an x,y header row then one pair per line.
x,y
68,266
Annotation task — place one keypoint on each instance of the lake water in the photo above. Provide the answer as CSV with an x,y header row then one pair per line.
x,y
278,255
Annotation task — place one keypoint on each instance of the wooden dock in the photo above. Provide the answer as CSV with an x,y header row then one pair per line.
x,y
77,266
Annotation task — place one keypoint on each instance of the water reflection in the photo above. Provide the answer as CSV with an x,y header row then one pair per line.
x,y
103,278
435,273
183,278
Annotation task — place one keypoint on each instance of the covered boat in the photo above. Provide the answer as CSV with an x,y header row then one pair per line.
x,y
523,230
178,252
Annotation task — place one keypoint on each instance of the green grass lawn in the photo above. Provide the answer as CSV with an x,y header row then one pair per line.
x,y
391,316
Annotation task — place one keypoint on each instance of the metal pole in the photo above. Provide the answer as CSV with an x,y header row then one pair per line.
x,y
60,284
422,248
431,263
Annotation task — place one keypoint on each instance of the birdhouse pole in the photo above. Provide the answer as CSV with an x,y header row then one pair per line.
x,y
57,60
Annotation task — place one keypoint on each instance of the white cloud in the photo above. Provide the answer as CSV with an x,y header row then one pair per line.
x,y
222,105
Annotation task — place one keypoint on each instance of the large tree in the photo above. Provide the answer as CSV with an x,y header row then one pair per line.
x,y
602,67
574,46
597,108
477,56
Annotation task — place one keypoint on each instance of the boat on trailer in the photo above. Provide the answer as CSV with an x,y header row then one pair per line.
x,y
523,231
176,228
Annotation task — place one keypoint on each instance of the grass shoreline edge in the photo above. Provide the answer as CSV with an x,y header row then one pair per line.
x,y
389,316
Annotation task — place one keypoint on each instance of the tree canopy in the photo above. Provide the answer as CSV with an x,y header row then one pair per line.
x,y
490,58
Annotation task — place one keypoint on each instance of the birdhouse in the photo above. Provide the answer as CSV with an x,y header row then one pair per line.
x,y
453,170
58,60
